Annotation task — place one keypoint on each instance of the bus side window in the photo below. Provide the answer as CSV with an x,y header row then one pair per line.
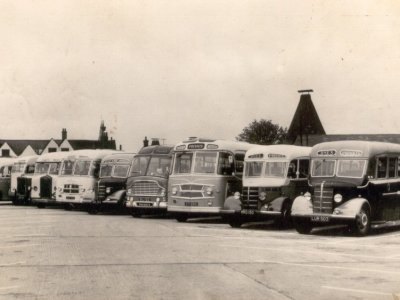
x,y
239,162
292,171
381,167
304,168
392,167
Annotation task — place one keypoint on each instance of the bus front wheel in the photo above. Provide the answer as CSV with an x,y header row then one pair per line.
x,y
302,226
362,224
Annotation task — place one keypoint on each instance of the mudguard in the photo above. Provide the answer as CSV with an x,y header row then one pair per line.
x,y
352,207
277,203
232,204
117,196
302,206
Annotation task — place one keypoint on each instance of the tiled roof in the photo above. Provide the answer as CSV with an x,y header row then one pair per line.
x,y
18,146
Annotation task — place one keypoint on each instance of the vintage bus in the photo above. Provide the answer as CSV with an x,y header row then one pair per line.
x,y
5,178
111,187
21,176
44,179
356,183
77,183
148,182
205,173
273,177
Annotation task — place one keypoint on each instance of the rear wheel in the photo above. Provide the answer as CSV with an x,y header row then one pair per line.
x,y
362,224
302,226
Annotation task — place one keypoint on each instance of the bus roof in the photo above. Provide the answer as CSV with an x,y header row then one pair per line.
x,y
4,161
120,157
93,154
210,144
273,152
26,159
54,156
363,149
159,149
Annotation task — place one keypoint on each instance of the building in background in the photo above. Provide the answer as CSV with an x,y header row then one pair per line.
x,y
306,127
15,148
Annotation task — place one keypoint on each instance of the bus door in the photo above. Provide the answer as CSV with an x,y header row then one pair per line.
x,y
298,171
232,165
389,189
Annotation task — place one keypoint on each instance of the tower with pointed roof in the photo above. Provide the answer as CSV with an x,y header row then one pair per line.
x,y
305,122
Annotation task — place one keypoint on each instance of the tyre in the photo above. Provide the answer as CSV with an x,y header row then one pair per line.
x,y
235,222
362,224
302,226
40,205
92,210
181,219
285,219
67,206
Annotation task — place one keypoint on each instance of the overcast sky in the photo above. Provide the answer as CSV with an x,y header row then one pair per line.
x,y
172,69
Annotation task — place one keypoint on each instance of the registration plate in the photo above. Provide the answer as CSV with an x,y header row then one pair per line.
x,y
144,199
247,211
70,198
320,219
191,204
145,204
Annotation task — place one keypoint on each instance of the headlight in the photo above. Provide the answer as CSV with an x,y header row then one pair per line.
x,y
162,192
307,196
129,191
209,191
262,196
108,190
174,191
236,195
338,198
55,188
35,188
83,190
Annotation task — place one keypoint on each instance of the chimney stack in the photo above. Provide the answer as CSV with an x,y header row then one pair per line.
x,y
145,142
64,134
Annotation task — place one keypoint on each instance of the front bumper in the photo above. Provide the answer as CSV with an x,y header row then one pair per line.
x,y
194,209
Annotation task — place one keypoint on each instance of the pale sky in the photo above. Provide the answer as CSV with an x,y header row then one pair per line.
x,y
172,69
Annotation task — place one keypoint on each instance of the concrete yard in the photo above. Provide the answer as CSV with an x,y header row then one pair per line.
x,y
57,254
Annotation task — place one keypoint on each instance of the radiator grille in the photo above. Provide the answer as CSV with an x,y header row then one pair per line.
x,y
148,188
323,200
71,188
45,187
250,198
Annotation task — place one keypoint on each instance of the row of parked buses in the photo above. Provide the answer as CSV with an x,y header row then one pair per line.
x,y
354,183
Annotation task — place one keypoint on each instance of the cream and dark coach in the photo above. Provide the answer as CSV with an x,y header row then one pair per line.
x,y
356,183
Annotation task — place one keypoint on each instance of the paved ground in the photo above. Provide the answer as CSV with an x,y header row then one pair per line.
x,y
57,254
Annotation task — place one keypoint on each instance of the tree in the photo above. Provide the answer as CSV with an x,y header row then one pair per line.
x,y
263,132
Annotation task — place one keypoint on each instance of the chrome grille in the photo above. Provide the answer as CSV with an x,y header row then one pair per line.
x,y
191,187
71,188
323,200
101,192
250,198
192,191
145,188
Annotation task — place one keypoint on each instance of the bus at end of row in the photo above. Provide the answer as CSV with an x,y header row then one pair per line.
x,y
353,183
